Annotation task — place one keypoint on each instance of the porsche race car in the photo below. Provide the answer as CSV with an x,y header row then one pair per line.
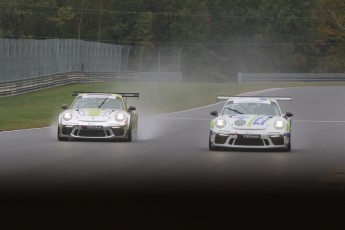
x,y
251,122
98,116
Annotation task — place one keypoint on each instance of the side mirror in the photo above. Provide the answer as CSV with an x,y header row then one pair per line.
x,y
214,113
131,108
288,114
64,106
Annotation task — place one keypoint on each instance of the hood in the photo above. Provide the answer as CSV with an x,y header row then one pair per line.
x,y
93,114
243,122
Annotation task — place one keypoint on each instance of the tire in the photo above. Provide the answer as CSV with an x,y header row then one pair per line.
x,y
135,134
210,145
128,138
59,136
288,147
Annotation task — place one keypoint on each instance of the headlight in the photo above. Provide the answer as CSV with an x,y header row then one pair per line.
x,y
67,116
220,123
279,124
120,117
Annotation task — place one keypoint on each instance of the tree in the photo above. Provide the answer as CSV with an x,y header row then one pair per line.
x,y
217,39
331,36
12,14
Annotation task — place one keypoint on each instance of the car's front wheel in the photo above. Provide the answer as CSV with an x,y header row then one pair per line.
x,y
210,144
60,138
288,147
128,138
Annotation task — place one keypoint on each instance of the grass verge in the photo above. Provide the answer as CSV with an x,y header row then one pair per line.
x,y
40,109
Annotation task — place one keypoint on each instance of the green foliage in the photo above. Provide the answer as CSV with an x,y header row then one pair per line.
x,y
331,36
11,17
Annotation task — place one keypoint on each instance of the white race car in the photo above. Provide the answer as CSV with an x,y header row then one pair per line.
x,y
251,122
98,116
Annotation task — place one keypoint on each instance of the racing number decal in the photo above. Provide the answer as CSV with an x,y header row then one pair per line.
x,y
261,120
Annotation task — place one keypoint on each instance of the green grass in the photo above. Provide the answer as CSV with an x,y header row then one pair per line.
x,y
40,109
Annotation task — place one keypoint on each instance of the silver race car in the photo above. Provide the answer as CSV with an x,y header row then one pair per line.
x,y
251,122
98,116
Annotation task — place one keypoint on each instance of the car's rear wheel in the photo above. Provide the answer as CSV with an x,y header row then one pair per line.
x,y
60,138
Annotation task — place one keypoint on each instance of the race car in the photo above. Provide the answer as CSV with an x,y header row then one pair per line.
x,y
95,115
251,122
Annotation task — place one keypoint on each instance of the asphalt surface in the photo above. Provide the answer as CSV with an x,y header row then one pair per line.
x,y
170,170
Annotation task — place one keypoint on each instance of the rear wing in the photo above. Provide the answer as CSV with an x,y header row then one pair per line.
x,y
225,98
122,94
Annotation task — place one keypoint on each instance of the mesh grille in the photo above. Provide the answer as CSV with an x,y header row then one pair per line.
x,y
250,142
220,139
278,140
118,131
66,130
91,133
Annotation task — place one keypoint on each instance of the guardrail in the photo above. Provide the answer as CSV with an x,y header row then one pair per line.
x,y
11,88
289,77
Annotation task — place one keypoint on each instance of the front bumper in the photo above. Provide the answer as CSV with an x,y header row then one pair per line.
x,y
252,140
93,131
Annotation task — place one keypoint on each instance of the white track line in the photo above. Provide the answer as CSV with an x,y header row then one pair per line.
x,y
316,121
183,118
203,119
20,130
188,110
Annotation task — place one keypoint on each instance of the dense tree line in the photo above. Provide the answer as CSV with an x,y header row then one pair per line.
x,y
218,38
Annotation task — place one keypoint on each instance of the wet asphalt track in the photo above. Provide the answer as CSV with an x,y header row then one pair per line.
x,y
171,156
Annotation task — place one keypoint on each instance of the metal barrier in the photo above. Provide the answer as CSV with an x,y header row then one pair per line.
x,y
27,65
16,87
24,59
289,77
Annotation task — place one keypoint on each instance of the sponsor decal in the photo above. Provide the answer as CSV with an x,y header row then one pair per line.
x,y
240,122
251,136
93,127
94,112
261,120
212,124
252,100
98,96
288,126
251,121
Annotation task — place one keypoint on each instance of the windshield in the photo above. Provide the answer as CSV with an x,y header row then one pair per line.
x,y
98,102
270,109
